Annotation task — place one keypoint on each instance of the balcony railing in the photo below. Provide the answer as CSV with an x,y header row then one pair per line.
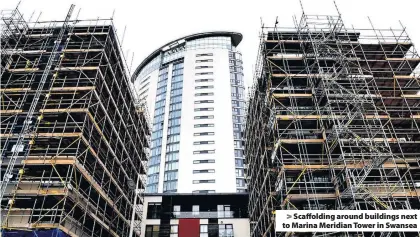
x,y
207,214
202,214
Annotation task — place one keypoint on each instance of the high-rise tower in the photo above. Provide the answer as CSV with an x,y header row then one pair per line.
x,y
195,92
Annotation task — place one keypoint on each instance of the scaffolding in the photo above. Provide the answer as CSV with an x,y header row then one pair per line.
x,y
332,122
74,137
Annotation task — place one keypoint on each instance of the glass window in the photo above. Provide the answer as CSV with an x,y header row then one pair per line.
x,y
204,54
204,134
204,87
173,156
239,172
177,210
204,117
204,143
203,61
223,211
203,231
204,181
203,73
204,102
196,210
204,191
204,125
152,230
204,94
204,109
239,163
174,231
169,186
204,161
154,210
200,67
240,183
226,230
170,176
204,152
203,171
203,80
171,166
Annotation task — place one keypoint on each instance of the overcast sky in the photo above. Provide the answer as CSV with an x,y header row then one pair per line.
x,y
151,24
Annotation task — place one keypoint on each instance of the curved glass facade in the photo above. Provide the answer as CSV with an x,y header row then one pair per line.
x,y
192,149
215,42
157,132
238,113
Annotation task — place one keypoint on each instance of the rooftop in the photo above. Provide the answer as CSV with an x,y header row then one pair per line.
x,y
236,39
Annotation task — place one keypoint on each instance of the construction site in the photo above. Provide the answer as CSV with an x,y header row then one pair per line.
x,y
332,122
74,137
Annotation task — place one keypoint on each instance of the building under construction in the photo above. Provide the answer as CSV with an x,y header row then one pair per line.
x,y
332,122
74,141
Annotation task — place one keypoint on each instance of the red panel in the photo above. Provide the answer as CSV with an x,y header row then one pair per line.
x,y
189,228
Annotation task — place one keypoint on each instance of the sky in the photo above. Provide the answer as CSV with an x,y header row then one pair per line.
x,y
151,24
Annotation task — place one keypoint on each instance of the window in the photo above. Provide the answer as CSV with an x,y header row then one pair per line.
x,y
204,87
204,117
173,156
196,210
204,143
204,109
204,191
204,102
239,163
177,210
153,169
203,80
240,183
152,231
226,230
204,54
174,130
153,210
169,186
203,73
171,166
171,175
172,147
174,231
173,138
239,172
174,122
176,92
204,181
175,114
204,152
203,231
204,125
176,106
204,60
239,153
224,211
204,94
204,134
200,67
203,171
203,161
